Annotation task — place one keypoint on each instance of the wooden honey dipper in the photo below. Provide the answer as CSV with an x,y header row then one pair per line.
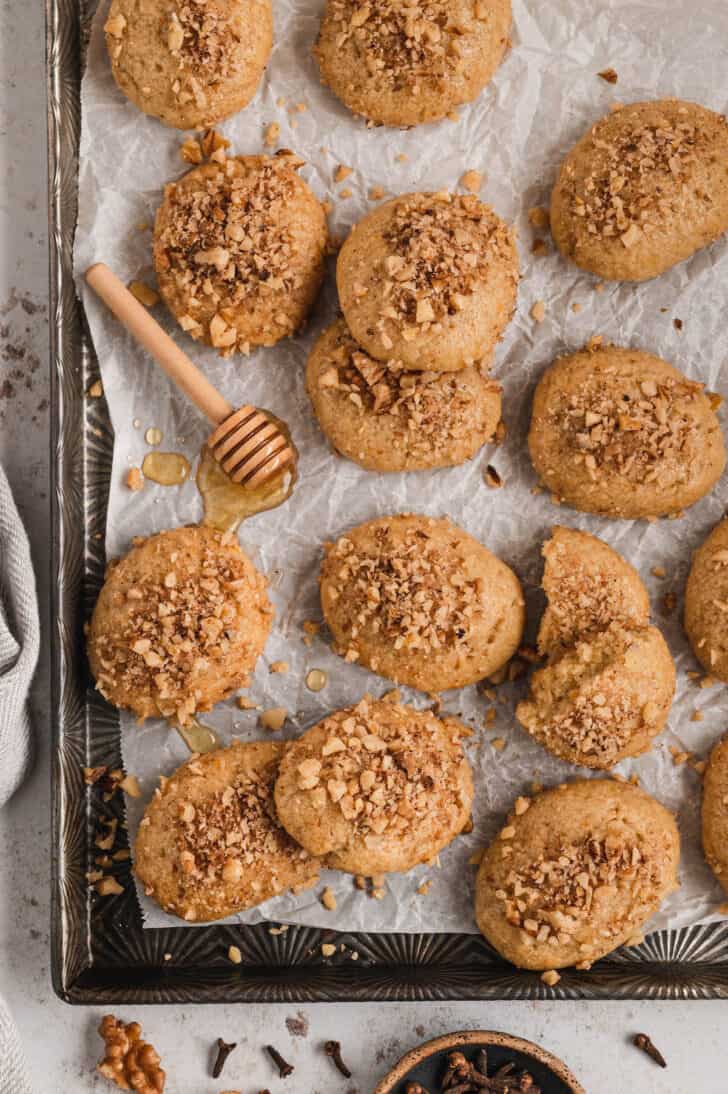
x,y
249,447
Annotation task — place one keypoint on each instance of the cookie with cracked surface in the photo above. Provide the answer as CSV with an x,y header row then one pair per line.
x,y
644,189
387,418
576,872
179,624
210,844
621,433
377,788
421,602
239,251
706,603
715,812
429,280
588,585
604,699
190,63
404,64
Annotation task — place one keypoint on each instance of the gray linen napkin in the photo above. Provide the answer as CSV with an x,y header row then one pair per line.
x,y
19,643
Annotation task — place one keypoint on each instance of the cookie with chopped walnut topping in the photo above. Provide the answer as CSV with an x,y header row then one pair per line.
x,y
179,624
377,788
429,280
715,812
210,844
239,251
418,600
387,418
588,585
189,63
643,190
604,698
575,873
404,64
706,603
621,433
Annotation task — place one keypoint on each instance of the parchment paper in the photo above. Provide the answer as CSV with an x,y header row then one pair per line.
x,y
543,98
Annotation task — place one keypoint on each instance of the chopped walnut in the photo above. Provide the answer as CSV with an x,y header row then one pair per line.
x,y
472,181
342,173
96,390
538,311
272,134
274,718
135,479
191,151
609,75
129,1062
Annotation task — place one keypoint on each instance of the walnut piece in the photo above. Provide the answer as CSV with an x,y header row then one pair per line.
x,y
129,1062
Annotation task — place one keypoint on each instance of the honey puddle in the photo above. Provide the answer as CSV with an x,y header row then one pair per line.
x,y
166,468
227,504
197,737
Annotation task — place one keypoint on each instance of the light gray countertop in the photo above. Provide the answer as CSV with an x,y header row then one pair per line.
x,y
60,1041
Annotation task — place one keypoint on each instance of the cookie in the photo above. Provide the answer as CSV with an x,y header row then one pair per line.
x,y
210,845
189,63
621,433
603,699
706,603
377,788
576,872
239,251
404,64
387,418
715,812
421,602
179,624
588,586
429,280
643,190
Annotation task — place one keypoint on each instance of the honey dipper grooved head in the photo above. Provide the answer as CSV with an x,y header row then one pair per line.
x,y
250,448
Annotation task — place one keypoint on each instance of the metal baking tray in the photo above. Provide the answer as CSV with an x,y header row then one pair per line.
x,y
100,952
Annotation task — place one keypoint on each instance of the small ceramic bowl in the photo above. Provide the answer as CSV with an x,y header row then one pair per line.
x,y
426,1064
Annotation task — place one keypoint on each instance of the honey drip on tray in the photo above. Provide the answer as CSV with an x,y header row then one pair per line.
x,y
197,737
227,503
166,468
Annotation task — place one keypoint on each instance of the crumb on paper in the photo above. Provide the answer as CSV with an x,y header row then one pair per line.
x,y
342,172
538,311
376,193
472,181
346,193
491,478
609,75
135,479
498,744
539,247
273,719
279,667
539,217
272,133
576,307
328,900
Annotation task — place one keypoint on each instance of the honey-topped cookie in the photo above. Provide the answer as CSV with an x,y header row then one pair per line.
x,y
588,585
402,64
388,418
421,602
622,433
179,624
189,63
210,845
575,873
239,251
715,812
643,190
377,788
706,603
604,698
429,280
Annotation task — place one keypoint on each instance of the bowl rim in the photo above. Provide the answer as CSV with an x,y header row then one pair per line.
x,y
478,1037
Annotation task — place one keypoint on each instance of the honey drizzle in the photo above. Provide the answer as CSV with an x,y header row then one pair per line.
x,y
166,468
198,737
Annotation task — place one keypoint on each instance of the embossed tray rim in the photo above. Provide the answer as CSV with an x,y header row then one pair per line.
x,y
100,952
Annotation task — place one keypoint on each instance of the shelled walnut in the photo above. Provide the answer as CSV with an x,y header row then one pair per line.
x,y
129,1062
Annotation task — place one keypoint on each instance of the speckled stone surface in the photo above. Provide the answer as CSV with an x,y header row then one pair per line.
x,y
61,1042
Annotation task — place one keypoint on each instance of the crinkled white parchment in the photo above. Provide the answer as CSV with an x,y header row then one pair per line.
x,y
542,99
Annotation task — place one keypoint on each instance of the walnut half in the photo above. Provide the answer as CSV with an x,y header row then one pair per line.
x,y
129,1061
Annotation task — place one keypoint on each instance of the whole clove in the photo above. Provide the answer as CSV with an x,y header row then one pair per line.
x,y
284,1068
463,1076
333,1049
223,1051
643,1042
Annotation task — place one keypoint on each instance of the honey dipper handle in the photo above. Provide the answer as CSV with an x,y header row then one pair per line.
x,y
148,333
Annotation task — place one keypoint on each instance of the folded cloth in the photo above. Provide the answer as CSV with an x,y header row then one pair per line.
x,y
19,642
